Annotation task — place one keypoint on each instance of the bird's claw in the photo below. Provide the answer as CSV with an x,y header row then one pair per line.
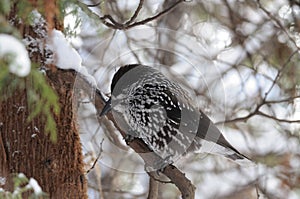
x,y
160,165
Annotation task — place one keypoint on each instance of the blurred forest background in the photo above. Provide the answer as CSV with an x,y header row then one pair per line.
x,y
239,59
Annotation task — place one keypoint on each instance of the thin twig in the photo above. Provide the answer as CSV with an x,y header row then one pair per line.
x,y
264,100
97,158
277,22
279,74
277,119
109,21
136,13
155,16
289,99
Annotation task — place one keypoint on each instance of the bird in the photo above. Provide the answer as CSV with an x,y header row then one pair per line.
x,y
147,105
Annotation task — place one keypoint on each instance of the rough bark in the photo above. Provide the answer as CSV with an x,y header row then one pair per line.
x,y
24,146
58,167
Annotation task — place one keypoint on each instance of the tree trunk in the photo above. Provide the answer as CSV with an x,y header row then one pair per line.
x,y
24,147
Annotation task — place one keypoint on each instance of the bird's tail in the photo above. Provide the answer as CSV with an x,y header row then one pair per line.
x,y
239,158
231,154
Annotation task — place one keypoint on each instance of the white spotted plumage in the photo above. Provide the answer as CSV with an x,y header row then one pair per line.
x,y
149,106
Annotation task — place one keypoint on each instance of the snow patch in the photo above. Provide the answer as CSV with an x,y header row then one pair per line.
x,y
14,50
35,186
36,18
87,76
2,181
65,56
21,175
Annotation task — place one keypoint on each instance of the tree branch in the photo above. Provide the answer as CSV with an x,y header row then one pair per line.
x,y
289,99
277,22
277,119
136,13
110,22
264,100
153,188
155,16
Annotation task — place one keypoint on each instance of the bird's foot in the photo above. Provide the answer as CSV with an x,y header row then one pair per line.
x,y
160,165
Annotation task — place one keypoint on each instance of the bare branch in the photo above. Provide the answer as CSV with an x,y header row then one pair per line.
x,y
264,100
279,74
277,119
110,22
136,13
289,99
153,188
155,16
277,23
97,158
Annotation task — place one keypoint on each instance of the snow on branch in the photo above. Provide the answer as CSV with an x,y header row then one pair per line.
x,y
14,52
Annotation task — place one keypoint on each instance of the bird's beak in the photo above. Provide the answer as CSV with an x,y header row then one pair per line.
x,y
106,108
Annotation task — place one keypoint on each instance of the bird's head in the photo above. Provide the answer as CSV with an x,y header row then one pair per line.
x,y
119,82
